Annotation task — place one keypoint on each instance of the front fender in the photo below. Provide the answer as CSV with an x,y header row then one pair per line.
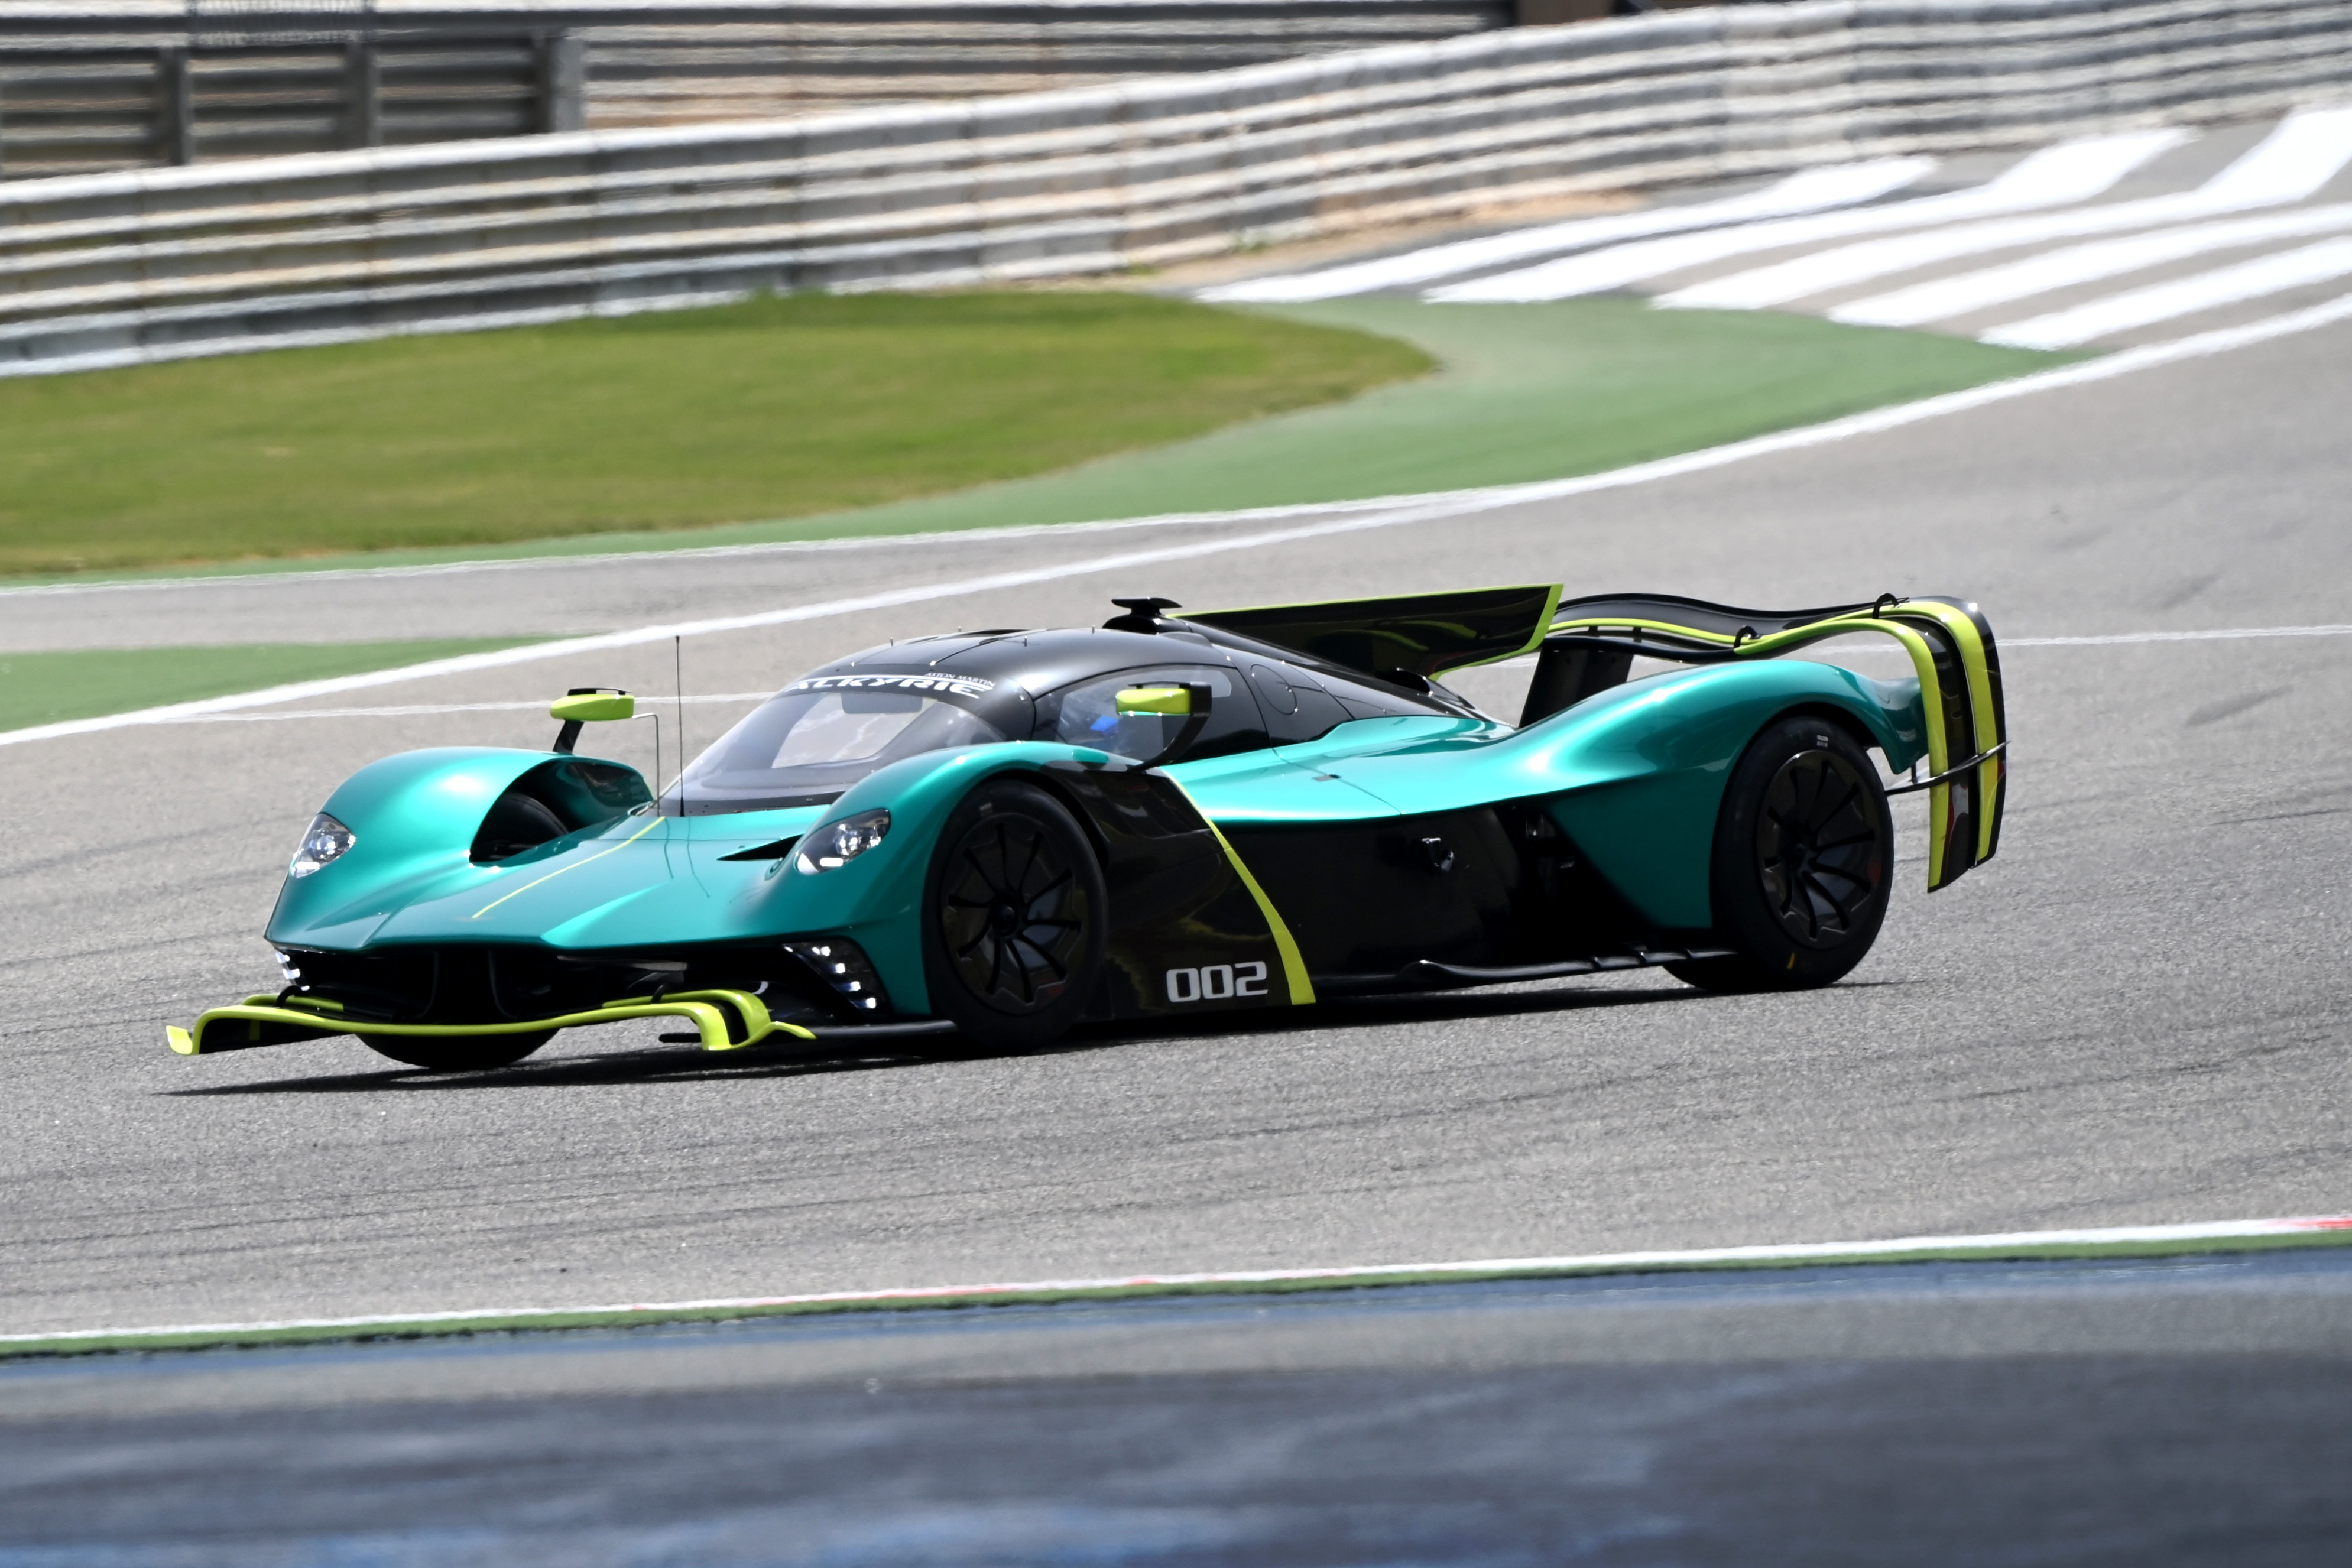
x,y
875,900
413,817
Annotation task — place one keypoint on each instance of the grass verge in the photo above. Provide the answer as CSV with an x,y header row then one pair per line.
x,y
1530,392
2153,1241
50,688
771,408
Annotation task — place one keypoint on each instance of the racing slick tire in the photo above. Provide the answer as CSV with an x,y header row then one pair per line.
x,y
460,1053
1803,862
1014,919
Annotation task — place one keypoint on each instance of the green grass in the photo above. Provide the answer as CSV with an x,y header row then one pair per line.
x,y
48,688
816,417
1530,392
773,408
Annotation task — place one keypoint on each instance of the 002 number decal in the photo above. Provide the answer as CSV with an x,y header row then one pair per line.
x,y
1216,982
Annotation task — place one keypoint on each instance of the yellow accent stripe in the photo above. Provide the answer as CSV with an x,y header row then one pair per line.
x,y
1294,967
1923,665
698,1008
269,999
1989,773
576,865
1614,621
1544,629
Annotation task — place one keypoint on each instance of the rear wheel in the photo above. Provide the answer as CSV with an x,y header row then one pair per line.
x,y
458,1053
1803,856
1014,918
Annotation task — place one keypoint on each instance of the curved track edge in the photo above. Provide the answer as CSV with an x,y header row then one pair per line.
x,y
2024,1246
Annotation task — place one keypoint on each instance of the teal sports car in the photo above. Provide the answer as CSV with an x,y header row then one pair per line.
x,y
1000,834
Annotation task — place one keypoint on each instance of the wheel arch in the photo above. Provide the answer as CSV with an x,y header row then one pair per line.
x,y
412,814
1846,719
1071,801
878,904
1049,994
1645,772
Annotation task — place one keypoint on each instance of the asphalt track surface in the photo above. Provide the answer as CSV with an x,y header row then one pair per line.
x,y
2137,1014
2183,1411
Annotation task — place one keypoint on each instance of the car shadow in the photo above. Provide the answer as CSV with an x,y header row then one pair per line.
x,y
686,1064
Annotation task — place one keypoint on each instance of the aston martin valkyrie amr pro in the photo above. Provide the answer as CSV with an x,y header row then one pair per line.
x,y
1000,834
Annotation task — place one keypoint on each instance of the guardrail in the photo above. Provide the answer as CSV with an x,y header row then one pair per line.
x,y
126,83
78,109
118,269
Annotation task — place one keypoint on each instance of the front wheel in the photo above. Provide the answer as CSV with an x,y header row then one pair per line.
x,y
1014,916
458,1053
1803,856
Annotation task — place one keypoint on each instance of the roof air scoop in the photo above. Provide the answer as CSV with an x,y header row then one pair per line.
x,y
1142,614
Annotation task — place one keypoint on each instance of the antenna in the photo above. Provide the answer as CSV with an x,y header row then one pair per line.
x,y
678,673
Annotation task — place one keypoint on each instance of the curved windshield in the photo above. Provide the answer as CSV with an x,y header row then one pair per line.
x,y
802,749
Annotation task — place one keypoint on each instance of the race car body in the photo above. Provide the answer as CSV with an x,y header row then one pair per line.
x,y
1005,833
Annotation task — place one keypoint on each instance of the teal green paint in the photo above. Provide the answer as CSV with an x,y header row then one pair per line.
x,y
414,816
879,909
1287,784
1635,774
1638,771
636,882
1648,761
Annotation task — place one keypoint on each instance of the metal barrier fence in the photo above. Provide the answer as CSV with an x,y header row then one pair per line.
x,y
69,111
166,83
118,269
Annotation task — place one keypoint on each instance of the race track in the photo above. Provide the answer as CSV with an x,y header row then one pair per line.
x,y
2138,1013
2186,1411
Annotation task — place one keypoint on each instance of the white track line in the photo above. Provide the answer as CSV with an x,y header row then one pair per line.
x,y
1839,185
1945,297
1662,1261
2321,263
2227,634
2306,150
2055,176
1405,511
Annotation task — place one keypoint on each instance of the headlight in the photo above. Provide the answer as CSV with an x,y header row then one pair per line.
x,y
837,843
327,841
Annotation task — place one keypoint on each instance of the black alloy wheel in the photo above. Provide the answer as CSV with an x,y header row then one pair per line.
x,y
1803,857
458,1053
1819,853
1015,917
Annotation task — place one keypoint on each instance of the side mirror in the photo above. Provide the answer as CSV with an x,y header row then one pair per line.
x,y
589,705
1163,701
1189,703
